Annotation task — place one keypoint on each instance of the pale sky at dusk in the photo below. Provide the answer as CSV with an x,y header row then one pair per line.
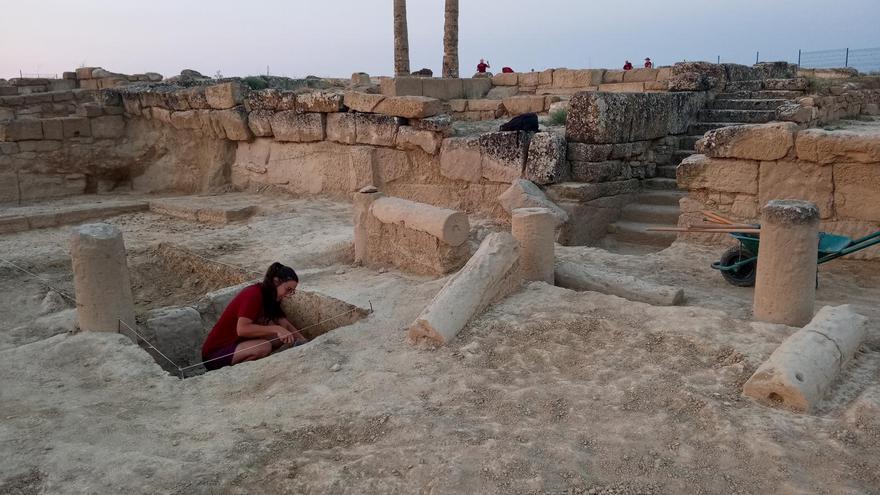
x,y
338,37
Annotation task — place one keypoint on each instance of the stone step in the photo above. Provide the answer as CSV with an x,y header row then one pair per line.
x,y
660,183
748,116
704,127
679,155
763,95
648,213
634,232
746,104
661,197
667,171
795,84
755,85
688,142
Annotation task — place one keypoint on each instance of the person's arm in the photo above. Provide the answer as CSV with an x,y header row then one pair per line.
x,y
247,329
284,322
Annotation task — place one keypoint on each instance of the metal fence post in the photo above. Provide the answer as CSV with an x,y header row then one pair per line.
x,y
846,60
799,57
757,56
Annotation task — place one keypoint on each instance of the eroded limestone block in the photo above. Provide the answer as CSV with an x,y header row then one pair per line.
x,y
584,152
319,101
362,102
617,117
503,155
821,146
546,161
798,180
460,159
770,141
857,191
695,76
490,274
234,122
438,123
409,138
534,229
609,170
702,172
298,127
583,192
411,107
260,122
568,78
518,105
376,129
108,127
223,96
800,372
342,128
264,99
178,332
505,79
21,130
525,194
450,226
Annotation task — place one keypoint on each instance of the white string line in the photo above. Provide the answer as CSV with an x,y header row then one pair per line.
x,y
119,330
61,293
215,261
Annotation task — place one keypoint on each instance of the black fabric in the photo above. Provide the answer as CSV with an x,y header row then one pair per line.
x,y
526,122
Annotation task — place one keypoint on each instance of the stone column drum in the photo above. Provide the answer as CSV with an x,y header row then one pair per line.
x,y
785,289
535,229
100,278
363,199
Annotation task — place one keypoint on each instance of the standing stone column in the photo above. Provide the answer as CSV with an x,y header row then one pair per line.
x,y
100,278
785,289
363,199
534,229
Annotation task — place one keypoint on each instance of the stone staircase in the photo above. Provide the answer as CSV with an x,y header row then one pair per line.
x,y
743,102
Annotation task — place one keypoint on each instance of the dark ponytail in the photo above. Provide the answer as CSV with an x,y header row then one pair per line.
x,y
271,306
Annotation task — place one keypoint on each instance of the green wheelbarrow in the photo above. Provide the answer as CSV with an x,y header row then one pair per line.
x,y
738,265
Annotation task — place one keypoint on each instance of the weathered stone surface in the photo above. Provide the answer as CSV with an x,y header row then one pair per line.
x,y
797,180
108,127
401,86
342,128
857,191
579,191
195,97
411,107
460,159
21,130
501,92
234,122
409,138
617,117
518,105
777,70
683,109
625,87
362,102
486,105
504,155
818,145
260,122
475,88
568,78
600,171
264,99
629,150
702,172
770,141
546,162
85,72
505,79
738,72
178,331
438,123
458,105
376,129
223,96
640,75
611,76
585,152
319,101
695,76
288,101
443,89
525,194
78,127
298,127
589,221
41,186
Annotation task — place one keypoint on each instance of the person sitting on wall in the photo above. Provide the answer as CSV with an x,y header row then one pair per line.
x,y
648,63
482,66
253,325
627,66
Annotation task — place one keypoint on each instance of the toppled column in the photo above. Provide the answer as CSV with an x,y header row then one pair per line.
x,y
579,277
534,229
450,226
490,274
100,278
785,288
363,199
801,370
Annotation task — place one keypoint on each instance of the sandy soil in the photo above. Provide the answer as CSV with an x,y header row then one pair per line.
x,y
550,391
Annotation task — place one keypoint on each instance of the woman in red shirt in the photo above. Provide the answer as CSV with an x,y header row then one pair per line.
x,y
253,324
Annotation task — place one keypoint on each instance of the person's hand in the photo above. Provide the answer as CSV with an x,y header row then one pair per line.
x,y
300,338
284,336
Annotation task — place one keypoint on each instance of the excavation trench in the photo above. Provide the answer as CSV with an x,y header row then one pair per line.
x,y
173,335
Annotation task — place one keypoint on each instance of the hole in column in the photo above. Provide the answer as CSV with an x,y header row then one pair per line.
x,y
799,377
774,397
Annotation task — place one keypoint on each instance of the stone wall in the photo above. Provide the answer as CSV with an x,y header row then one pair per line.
x,y
740,168
840,102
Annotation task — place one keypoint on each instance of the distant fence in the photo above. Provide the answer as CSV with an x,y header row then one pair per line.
x,y
863,59
37,76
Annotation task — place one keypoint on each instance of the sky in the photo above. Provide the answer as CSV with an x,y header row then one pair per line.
x,y
334,38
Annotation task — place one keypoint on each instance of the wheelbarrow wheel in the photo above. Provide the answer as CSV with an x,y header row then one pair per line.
x,y
743,276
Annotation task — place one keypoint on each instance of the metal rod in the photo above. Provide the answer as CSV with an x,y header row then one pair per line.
x,y
799,57
846,60
757,56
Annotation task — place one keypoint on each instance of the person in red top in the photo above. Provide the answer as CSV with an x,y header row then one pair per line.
x,y
482,66
627,66
253,324
648,63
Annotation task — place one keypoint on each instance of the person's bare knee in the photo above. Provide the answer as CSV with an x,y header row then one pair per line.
x,y
251,350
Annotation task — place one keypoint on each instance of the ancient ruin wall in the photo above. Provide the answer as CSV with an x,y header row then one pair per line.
x,y
741,168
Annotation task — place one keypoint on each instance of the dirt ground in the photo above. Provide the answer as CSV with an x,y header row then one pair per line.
x,y
549,391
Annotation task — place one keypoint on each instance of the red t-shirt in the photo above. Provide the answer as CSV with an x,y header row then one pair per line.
x,y
247,304
481,68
